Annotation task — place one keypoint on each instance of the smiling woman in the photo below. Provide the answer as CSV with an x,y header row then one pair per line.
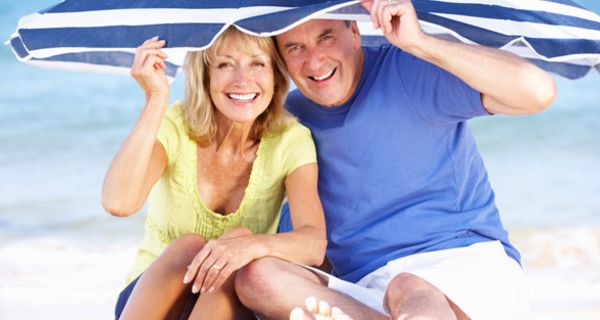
x,y
248,78
215,169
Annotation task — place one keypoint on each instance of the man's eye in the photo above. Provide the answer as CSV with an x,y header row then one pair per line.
x,y
327,40
294,49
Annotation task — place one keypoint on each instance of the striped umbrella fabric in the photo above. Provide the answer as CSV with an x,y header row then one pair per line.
x,y
101,35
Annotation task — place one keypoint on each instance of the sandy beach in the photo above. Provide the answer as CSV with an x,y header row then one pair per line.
x,y
62,257
54,277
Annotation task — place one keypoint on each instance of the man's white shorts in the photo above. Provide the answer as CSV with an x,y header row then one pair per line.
x,y
481,279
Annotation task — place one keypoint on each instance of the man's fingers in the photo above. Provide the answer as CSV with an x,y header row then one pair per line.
x,y
368,4
375,13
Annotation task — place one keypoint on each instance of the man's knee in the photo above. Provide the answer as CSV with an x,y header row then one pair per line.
x,y
257,279
407,285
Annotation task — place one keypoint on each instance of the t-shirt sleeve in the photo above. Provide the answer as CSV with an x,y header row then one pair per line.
x,y
171,130
299,148
438,95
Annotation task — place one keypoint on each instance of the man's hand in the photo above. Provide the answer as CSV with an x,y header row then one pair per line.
x,y
397,20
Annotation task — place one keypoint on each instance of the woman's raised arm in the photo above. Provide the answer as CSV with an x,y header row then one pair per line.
x,y
141,159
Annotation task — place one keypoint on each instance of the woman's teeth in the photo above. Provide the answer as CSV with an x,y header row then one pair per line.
x,y
242,97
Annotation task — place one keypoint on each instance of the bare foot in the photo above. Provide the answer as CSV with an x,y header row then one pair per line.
x,y
318,310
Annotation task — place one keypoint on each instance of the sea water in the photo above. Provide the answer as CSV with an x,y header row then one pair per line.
x,y
62,256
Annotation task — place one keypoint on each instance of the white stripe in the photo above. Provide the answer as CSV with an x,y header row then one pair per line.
x,y
314,15
176,55
536,5
527,29
79,66
134,17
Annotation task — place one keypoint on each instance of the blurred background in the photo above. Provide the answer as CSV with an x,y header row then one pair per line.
x,y
63,257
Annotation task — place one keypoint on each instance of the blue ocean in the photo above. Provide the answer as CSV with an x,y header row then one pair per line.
x,y
60,129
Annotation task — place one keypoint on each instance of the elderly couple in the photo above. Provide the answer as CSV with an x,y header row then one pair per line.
x,y
399,201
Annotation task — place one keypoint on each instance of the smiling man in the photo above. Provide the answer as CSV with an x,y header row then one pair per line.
x,y
413,229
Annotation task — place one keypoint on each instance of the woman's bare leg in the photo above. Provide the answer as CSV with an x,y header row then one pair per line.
x,y
160,292
221,303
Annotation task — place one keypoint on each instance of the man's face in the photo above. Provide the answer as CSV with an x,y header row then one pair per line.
x,y
324,59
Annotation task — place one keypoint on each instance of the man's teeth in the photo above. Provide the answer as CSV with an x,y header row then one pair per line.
x,y
325,76
243,97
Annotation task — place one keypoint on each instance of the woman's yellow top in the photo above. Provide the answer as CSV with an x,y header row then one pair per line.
x,y
175,207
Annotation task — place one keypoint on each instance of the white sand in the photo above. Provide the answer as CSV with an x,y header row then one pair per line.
x,y
65,278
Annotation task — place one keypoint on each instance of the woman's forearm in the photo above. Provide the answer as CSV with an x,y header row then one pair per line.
x,y
138,163
305,246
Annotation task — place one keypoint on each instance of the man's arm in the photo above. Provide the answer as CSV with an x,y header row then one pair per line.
x,y
508,84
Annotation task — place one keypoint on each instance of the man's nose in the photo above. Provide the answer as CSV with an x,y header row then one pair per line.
x,y
314,59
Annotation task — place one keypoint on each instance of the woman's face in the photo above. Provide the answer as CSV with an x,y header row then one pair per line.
x,y
241,80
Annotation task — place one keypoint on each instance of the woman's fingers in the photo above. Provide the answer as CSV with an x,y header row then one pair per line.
x,y
152,43
143,55
193,268
205,270
217,274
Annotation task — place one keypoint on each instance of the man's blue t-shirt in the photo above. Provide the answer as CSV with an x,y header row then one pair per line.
x,y
399,171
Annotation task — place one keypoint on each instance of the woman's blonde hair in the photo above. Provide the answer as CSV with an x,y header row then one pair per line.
x,y
199,110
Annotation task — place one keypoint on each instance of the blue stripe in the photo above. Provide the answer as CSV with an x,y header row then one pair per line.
x,y
17,44
567,70
504,13
90,5
177,35
566,2
372,40
559,47
547,47
103,58
279,20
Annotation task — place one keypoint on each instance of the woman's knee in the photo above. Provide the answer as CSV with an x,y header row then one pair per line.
x,y
180,253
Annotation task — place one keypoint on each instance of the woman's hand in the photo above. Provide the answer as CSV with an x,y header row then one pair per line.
x,y
219,258
149,68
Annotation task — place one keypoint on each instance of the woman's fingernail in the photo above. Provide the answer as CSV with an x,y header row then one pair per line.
x,y
194,289
185,279
202,290
211,289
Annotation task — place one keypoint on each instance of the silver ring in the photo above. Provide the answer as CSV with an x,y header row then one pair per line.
x,y
216,267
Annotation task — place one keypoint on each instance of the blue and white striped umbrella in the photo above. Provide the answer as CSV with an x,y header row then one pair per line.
x,y
101,35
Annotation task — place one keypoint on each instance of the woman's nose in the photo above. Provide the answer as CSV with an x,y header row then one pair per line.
x,y
242,77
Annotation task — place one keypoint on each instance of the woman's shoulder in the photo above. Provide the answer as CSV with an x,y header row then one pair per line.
x,y
290,130
175,111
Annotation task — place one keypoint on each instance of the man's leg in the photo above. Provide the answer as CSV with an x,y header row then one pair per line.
x,y
411,297
272,288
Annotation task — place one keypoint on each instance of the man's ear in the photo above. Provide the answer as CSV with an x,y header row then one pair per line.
x,y
355,34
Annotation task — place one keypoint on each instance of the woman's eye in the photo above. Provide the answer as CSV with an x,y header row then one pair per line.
x,y
258,64
222,65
